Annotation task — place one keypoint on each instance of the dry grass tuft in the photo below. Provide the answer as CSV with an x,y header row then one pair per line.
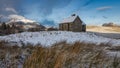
x,y
115,48
59,55
13,56
64,55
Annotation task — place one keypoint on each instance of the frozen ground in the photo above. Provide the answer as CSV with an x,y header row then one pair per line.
x,y
47,38
109,35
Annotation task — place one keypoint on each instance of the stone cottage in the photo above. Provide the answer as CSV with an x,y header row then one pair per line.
x,y
72,23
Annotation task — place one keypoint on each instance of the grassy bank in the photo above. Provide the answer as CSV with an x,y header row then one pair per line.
x,y
77,55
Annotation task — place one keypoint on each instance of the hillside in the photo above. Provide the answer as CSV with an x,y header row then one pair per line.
x,y
48,38
21,20
103,29
58,49
18,24
17,18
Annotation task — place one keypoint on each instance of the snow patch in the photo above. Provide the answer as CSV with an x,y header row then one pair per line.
x,y
69,19
18,18
46,38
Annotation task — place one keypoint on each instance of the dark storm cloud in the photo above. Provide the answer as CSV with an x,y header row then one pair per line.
x,y
45,7
38,9
32,8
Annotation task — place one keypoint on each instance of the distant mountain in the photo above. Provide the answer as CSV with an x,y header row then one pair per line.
x,y
18,18
24,22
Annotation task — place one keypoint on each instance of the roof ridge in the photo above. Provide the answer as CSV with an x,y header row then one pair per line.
x,y
69,19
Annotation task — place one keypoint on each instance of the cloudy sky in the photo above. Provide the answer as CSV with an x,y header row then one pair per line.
x,y
51,12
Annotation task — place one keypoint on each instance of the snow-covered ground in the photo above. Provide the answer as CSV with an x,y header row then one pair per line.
x,y
47,38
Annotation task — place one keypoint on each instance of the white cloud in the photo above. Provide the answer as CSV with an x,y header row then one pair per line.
x,y
11,10
104,8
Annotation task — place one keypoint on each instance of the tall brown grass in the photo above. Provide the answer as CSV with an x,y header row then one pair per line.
x,y
12,56
64,55
59,55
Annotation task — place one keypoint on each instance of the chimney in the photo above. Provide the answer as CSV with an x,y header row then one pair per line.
x,y
73,15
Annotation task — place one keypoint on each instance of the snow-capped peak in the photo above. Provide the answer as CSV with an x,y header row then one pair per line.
x,y
17,18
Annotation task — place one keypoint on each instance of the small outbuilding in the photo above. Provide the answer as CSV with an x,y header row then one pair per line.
x,y
72,23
